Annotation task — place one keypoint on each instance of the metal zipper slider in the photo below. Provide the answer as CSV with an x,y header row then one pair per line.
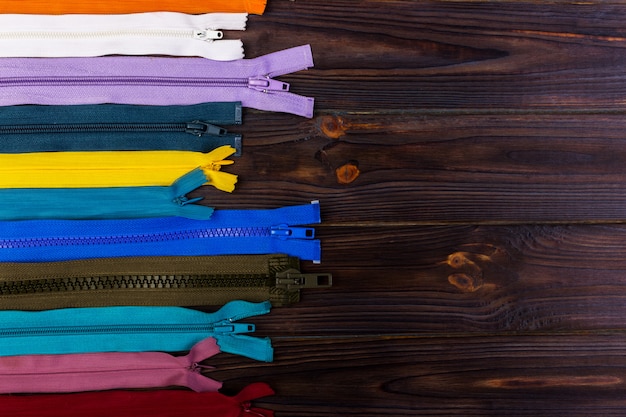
x,y
266,84
294,279
284,232
199,128
207,35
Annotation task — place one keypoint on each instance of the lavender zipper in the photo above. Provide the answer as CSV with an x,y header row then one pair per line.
x,y
156,81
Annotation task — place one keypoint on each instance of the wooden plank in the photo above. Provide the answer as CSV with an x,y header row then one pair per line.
x,y
556,375
379,54
434,169
433,280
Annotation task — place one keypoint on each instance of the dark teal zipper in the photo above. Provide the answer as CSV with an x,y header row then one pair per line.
x,y
109,127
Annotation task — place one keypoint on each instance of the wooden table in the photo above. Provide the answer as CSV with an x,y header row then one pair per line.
x,y
469,158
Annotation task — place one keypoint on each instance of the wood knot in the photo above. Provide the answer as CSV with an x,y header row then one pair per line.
x,y
348,172
470,276
465,283
332,127
459,260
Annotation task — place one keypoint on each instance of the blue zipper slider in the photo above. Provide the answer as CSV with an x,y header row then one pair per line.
x,y
235,328
284,232
266,84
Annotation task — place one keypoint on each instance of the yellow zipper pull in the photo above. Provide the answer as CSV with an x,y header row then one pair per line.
x,y
223,181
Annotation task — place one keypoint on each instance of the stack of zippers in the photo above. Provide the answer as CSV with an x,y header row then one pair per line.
x,y
101,245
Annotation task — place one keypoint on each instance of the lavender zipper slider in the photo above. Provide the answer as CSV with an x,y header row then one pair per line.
x,y
266,84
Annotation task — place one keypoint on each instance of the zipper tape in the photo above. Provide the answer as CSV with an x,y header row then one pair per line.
x,y
155,33
156,81
106,203
135,6
108,370
112,168
114,127
119,403
132,329
228,232
155,280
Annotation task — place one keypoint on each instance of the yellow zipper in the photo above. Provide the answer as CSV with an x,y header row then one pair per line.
x,y
112,168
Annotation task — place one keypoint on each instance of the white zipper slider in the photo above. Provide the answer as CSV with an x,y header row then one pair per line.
x,y
207,35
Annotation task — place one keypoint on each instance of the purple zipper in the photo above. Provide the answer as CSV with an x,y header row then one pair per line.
x,y
156,81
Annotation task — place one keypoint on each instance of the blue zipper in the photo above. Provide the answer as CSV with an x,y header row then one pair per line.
x,y
228,232
132,329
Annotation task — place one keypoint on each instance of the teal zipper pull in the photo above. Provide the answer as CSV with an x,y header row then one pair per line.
x,y
186,184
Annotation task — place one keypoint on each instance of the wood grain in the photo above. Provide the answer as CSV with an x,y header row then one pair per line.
x,y
469,159
373,55
461,279
436,169
531,375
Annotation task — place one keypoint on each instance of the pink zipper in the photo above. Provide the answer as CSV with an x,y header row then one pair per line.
x,y
105,371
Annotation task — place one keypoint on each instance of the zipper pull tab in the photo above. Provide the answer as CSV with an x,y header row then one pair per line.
x,y
266,84
198,128
284,232
183,201
236,328
197,368
207,35
294,279
186,184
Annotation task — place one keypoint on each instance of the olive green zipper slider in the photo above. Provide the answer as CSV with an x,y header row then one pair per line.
x,y
294,279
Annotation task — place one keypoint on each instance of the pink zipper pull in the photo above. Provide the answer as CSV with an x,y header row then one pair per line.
x,y
197,367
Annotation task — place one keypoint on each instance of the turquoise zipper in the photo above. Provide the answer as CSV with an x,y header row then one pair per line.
x,y
106,203
132,329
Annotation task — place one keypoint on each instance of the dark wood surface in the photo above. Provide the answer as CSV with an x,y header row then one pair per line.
x,y
470,162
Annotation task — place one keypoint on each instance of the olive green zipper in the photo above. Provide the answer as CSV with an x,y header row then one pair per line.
x,y
159,281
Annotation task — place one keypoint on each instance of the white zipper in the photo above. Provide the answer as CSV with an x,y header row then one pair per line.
x,y
158,33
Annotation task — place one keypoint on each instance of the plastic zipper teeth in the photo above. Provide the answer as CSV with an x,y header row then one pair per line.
x,y
156,33
106,329
228,232
196,128
130,282
133,80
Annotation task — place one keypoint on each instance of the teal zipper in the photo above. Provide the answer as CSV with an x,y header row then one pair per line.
x,y
132,329
109,127
106,203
